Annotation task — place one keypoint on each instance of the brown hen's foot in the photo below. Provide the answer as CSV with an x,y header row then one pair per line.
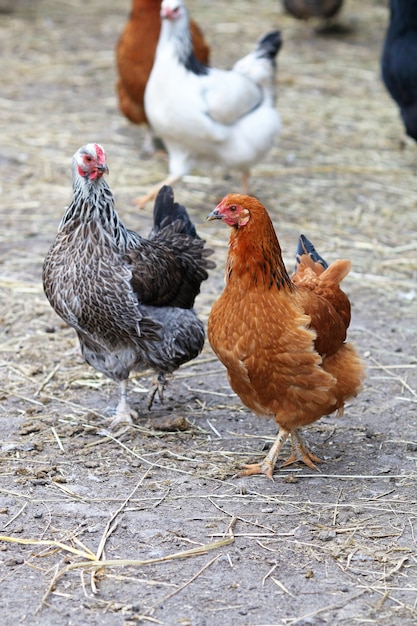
x,y
301,453
263,467
267,465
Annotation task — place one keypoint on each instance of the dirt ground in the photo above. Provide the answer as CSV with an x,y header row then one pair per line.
x,y
181,540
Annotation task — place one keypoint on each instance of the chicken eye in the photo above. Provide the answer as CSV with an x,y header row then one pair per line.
x,y
88,158
233,208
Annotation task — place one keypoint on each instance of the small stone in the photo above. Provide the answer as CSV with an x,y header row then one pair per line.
x,y
93,529
327,535
59,479
15,560
91,464
29,428
292,480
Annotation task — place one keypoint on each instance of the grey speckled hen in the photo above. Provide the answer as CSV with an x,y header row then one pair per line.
x,y
130,299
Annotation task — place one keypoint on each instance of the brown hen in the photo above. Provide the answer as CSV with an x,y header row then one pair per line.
x,y
135,54
282,339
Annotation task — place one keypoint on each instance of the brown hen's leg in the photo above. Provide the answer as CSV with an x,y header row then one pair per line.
x,y
267,465
301,453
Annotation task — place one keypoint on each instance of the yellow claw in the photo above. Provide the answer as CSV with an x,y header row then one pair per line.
x,y
258,468
301,453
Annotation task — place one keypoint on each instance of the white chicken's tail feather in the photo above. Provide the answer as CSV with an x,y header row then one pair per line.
x,y
259,65
269,45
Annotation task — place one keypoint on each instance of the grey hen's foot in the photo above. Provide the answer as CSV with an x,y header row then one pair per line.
x,y
124,414
159,387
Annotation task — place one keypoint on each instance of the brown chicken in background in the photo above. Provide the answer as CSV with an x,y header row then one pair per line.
x,y
282,339
135,56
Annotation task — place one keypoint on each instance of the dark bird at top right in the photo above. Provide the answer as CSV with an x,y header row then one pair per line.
x,y
305,9
399,61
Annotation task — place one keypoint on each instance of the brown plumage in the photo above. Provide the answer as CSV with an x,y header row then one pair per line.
x,y
135,54
305,9
130,299
282,339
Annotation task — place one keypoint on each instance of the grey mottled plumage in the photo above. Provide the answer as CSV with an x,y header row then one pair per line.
x,y
129,298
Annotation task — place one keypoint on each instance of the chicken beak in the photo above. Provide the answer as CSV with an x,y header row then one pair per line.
x,y
167,13
103,169
214,215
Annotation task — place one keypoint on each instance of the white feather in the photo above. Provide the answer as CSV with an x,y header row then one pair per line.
x,y
226,118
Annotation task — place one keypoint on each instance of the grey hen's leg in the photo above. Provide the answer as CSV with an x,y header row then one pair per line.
x,y
123,414
159,387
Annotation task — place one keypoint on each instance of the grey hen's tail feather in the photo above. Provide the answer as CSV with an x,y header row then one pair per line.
x,y
305,246
175,235
269,45
166,211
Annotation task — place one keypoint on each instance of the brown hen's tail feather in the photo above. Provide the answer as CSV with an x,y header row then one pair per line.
x,y
348,368
307,257
337,271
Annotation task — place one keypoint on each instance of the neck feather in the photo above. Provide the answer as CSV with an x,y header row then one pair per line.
x,y
92,209
255,256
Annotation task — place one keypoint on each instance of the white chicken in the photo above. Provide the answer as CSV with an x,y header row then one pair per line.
x,y
205,114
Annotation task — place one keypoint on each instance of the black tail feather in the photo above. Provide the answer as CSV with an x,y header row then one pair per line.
x,y
269,45
166,211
